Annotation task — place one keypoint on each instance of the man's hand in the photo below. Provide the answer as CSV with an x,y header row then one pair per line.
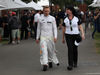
x,y
37,41
63,41
55,39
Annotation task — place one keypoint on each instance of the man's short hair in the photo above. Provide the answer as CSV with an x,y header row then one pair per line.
x,y
46,7
96,10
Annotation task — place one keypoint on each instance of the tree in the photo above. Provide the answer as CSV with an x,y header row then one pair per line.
x,y
63,3
88,1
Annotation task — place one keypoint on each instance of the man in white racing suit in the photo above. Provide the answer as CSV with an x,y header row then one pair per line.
x,y
47,32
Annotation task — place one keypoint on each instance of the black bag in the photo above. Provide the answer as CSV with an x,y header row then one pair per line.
x,y
79,38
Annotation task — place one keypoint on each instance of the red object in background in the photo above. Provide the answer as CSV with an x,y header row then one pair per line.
x,y
13,13
83,8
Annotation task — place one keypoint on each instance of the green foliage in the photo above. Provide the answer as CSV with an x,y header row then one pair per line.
x,y
62,3
97,42
88,1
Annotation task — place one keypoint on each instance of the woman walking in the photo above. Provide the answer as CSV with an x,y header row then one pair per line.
x,y
71,33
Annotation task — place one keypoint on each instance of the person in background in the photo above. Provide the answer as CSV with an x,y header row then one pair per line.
x,y
6,26
92,19
14,23
36,20
29,29
10,31
41,14
79,15
58,18
53,13
1,29
32,22
25,23
96,21
87,18
82,13
61,18
71,33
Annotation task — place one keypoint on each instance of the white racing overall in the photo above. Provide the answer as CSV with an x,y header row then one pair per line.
x,y
47,31
47,51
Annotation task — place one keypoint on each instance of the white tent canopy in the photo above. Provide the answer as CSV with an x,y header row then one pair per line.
x,y
43,2
35,6
10,4
1,6
96,3
92,4
18,4
31,5
22,3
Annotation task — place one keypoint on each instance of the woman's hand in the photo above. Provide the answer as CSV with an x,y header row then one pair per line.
x,y
83,37
82,31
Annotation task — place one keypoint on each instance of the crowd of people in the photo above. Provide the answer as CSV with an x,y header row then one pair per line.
x,y
11,24
92,20
28,23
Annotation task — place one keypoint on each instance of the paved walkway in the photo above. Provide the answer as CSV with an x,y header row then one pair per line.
x,y
23,59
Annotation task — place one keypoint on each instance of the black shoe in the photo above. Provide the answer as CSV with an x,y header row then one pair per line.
x,y
75,66
26,38
9,42
50,65
44,67
21,39
58,64
33,38
70,68
92,37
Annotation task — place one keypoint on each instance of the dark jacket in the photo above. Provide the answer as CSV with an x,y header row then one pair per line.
x,y
1,22
24,20
14,23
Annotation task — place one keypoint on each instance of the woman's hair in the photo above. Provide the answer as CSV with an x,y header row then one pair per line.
x,y
71,8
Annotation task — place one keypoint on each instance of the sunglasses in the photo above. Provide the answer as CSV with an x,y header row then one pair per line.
x,y
71,26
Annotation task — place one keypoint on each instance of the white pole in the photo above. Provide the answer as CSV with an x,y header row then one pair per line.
x,y
82,2
50,4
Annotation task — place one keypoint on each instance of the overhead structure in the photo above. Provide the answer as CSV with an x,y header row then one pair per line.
x,y
10,4
1,6
31,5
43,2
18,4
96,3
35,6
